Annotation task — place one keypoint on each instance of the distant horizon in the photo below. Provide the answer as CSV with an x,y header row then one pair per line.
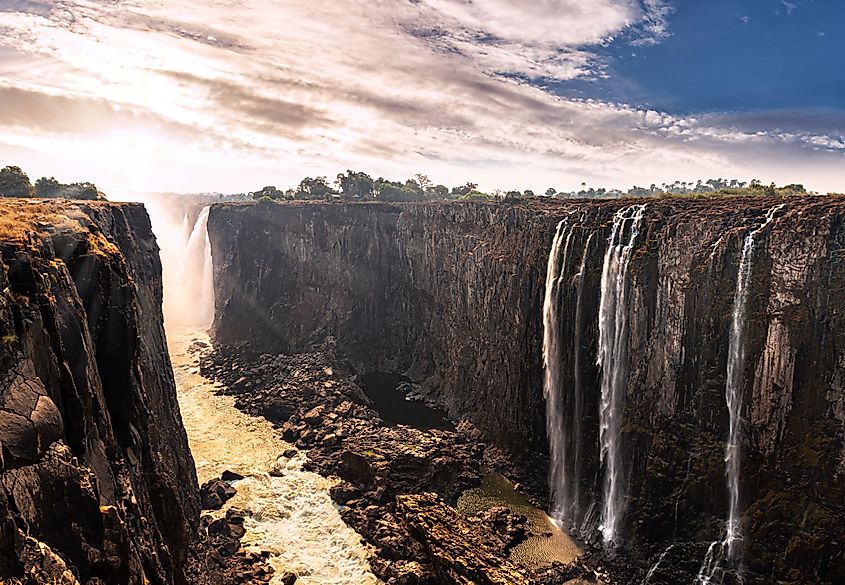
x,y
168,96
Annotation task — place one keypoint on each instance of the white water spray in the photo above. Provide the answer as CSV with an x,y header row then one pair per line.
x,y
655,566
292,515
613,360
578,407
734,386
552,391
736,379
192,302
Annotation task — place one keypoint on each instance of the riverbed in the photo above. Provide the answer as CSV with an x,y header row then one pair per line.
x,y
293,516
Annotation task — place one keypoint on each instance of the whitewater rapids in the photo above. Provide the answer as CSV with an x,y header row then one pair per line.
x,y
293,517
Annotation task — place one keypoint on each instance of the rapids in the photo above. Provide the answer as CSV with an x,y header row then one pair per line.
x,y
293,516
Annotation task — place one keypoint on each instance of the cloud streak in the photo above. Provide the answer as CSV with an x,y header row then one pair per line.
x,y
237,95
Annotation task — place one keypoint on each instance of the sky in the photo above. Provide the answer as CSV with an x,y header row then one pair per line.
x,y
190,96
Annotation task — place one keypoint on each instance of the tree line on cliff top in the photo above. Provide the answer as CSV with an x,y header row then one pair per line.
x,y
354,185
15,183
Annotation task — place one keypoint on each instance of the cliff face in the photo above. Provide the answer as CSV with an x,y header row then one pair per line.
x,y
97,480
447,294
452,295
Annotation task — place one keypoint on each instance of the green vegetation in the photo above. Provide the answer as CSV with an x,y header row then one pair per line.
x,y
9,341
359,186
15,183
709,188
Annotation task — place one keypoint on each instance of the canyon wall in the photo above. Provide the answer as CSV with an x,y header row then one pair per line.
x,y
97,482
451,295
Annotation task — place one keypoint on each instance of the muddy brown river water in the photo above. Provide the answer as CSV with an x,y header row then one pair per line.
x,y
293,516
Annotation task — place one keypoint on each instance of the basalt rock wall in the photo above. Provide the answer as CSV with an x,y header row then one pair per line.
x,y
452,295
97,482
446,294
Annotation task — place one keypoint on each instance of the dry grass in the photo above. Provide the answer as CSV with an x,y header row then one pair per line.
x,y
20,219
25,220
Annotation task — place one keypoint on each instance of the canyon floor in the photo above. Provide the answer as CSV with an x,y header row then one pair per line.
x,y
318,462
289,511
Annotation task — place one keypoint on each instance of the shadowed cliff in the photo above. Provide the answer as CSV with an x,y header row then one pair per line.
x,y
451,295
97,482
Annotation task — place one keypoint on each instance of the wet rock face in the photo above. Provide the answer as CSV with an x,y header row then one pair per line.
x,y
96,480
451,296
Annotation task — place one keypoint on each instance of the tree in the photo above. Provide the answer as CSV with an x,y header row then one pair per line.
x,y
354,185
316,188
529,193
551,192
48,188
437,192
14,183
87,191
423,181
269,192
393,191
465,189
413,185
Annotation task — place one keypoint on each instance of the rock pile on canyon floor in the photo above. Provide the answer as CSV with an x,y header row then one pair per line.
x,y
396,483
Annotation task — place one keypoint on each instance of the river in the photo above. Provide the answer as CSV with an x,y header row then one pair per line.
x,y
293,516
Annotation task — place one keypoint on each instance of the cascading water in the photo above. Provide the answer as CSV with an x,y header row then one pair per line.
x,y
613,358
733,397
552,391
292,515
578,390
194,298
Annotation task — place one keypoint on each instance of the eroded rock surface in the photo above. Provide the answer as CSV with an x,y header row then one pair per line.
x,y
318,407
97,484
450,295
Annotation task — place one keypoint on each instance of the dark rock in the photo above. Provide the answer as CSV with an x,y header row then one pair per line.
x,y
214,493
231,476
96,469
396,270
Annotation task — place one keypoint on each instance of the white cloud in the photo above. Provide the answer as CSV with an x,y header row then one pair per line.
x,y
225,95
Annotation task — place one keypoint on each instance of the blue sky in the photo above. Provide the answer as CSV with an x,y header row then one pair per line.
x,y
731,56
224,95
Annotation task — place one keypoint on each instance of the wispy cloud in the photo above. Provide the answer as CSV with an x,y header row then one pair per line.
x,y
229,95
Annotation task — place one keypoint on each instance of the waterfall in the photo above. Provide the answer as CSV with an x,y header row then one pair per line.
x,y
734,386
195,300
613,358
736,379
656,565
578,408
552,392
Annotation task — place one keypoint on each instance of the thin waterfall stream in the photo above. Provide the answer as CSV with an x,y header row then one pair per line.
x,y
562,502
613,359
728,549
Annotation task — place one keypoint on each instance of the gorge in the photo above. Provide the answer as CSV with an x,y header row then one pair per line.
x,y
665,376
452,296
